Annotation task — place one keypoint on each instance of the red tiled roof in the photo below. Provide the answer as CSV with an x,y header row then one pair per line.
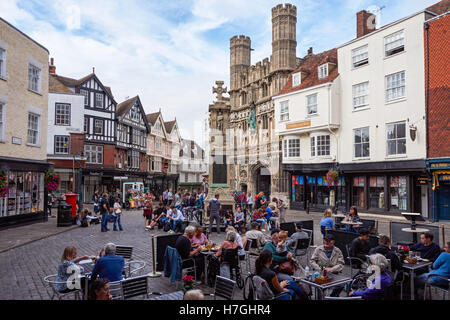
x,y
124,107
309,65
440,7
169,125
55,85
152,117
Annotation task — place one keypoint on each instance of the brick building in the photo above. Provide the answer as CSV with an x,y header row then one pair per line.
x,y
437,90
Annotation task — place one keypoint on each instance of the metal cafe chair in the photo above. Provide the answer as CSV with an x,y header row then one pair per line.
x,y
342,298
224,288
125,251
52,283
248,245
132,268
134,287
353,259
445,289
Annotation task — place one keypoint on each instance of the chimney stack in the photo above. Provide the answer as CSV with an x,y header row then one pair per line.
x,y
310,51
365,23
51,67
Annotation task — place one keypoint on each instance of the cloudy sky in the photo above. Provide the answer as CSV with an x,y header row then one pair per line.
x,y
171,52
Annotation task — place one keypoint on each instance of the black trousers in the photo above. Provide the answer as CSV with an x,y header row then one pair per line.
x,y
199,265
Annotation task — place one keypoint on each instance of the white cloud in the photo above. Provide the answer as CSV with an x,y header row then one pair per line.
x,y
159,50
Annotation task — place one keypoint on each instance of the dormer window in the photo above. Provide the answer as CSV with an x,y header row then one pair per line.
x,y
296,79
323,71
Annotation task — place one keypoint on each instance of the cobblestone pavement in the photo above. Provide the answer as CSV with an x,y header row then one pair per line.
x,y
24,267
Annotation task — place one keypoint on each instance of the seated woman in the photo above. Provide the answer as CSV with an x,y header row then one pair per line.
x,y
441,267
238,219
228,218
100,290
67,267
199,239
327,222
376,290
258,216
262,266
352,217
229,243
241,241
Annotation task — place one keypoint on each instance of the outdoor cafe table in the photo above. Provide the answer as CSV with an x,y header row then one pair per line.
x,y
411,268
338,279
352,223
178,295
88,266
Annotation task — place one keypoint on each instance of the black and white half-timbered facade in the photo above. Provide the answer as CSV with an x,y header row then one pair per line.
x,y
99,127
131,139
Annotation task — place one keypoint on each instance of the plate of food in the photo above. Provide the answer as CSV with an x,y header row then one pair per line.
x,y
323,280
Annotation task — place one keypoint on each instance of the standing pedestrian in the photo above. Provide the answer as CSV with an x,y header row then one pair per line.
x,y
170,197
95,198
214,207
118,213
249,202
164,197
104,210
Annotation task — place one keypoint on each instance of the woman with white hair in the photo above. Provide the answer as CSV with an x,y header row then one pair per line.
x,y
229,243
380,279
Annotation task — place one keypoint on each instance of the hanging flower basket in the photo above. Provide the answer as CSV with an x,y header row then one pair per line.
x,y
332,178
3,184
51,180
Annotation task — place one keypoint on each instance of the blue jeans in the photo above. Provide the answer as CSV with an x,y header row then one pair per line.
x,y
104,221
263,222
239,226
117,220
296,291
164,221
173,223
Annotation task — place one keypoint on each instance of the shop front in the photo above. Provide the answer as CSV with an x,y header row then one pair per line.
x,y
386,187
440,172
24,199
309,188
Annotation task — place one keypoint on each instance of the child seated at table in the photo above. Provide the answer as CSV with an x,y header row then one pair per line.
x,y
282,243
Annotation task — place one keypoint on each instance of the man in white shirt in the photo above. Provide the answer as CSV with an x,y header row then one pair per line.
x,y
175,217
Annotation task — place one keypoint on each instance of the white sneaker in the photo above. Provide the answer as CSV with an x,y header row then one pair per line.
x,y
171,231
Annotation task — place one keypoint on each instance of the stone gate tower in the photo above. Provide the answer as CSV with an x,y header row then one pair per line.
x,y
284,38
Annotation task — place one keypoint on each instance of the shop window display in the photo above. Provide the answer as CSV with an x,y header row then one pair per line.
x,y
358,191
376,192
398,192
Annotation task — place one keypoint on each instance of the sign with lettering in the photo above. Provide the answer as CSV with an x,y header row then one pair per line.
x,y
442,165
16,140
423,180
297,125
444,177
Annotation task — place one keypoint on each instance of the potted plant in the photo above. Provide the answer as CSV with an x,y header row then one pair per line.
x,y
3,184
188,283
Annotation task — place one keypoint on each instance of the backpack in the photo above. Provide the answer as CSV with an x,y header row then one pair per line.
x,y
166,227
248,290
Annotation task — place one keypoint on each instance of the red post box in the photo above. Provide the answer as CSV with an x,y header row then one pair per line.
x,y
71,198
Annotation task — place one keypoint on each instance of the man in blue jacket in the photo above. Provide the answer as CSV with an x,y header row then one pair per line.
x,y
110,266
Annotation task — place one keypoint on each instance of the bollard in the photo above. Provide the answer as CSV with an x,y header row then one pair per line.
x,y
376,226
154,274
443,235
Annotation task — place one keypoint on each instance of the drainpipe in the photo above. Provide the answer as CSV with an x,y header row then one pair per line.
x,y
337,144
427,106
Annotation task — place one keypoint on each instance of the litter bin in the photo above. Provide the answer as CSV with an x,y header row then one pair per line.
x,y
64,218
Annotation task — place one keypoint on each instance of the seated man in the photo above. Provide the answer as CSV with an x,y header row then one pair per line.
x,y
331,257
256,235
270,215
184,248
159,216
441,267
297,235
110,266
175,217
384,248
360,247
427,248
